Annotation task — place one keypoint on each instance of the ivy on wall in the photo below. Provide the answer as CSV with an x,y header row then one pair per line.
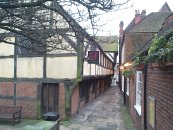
x,y
127,72
160,49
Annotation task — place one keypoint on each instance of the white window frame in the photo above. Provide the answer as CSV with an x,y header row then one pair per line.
x,y
128,84
122,83
138,91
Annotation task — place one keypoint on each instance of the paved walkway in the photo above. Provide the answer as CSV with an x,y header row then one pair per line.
x,y
106,112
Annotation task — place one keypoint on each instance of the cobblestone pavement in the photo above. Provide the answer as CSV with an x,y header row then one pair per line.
x,y
106,112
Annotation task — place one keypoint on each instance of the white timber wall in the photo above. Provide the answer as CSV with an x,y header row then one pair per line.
x,y
6,49
7,65
7,68
30,67
62,67
93,69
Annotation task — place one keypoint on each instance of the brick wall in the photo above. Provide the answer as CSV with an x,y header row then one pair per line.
x,y
28,93
133,41
75,100
26,96
6,89
92,92
95,86
131,101
160,86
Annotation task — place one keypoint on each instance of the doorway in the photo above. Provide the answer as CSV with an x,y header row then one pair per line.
x,y
49,97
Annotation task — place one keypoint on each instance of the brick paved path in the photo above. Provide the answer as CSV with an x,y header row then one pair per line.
x,y
106,112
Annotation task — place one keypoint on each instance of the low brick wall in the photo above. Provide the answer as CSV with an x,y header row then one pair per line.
x,y
26,96
92,88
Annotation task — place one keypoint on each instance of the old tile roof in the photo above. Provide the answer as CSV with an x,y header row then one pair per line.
x,y
165,8
151,23
164,31
108,43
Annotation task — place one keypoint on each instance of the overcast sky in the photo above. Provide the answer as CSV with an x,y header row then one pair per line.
x,y
126,15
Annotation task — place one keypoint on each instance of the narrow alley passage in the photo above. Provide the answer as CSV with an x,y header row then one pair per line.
x,y
106,112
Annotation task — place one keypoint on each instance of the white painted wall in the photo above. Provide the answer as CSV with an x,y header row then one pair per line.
x,y
62,67
95,70
7,68
7,49
86,68
30,67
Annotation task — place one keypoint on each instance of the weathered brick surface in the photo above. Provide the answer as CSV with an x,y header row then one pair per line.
x,y
95,88
28,89
6,102
75,100
26,94
160,86
131,101
29,109
133,41
6,88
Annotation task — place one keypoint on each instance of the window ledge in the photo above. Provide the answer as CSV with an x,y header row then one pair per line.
x,y
138,109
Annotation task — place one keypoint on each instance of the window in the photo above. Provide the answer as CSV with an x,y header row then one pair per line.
x,y
138,91
122,83
127,86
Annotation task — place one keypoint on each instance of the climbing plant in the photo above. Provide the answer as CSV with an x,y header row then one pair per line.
x,y
160,49
127,72
139,59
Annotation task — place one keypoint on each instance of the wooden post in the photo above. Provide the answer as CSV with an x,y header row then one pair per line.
x,y
15,74
80,55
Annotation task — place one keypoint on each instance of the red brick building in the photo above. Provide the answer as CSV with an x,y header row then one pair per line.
x,y
149,93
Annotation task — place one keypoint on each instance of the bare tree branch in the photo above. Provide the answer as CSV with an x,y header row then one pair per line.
x,y
51,25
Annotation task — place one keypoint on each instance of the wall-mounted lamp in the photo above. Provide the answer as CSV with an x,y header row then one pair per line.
x,y
127,64
121,68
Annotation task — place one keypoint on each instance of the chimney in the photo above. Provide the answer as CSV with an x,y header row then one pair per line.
x,y
143,14
137,16
121,28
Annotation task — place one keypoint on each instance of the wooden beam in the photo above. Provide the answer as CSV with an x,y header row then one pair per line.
x,y
70,41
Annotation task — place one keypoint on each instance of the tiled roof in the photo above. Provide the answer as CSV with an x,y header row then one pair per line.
x,y
165,8
164,31
108,43
151,23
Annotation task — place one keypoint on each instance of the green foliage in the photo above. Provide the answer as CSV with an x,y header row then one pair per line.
x,y
160,48
127,73
139,60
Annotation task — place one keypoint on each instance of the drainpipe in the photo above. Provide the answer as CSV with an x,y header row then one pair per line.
x,y
145,97
119,76
125,89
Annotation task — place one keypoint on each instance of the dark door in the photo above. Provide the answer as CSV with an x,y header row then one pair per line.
x,y
49,97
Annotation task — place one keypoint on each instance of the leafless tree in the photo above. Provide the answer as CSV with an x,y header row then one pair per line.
x,y
43,25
